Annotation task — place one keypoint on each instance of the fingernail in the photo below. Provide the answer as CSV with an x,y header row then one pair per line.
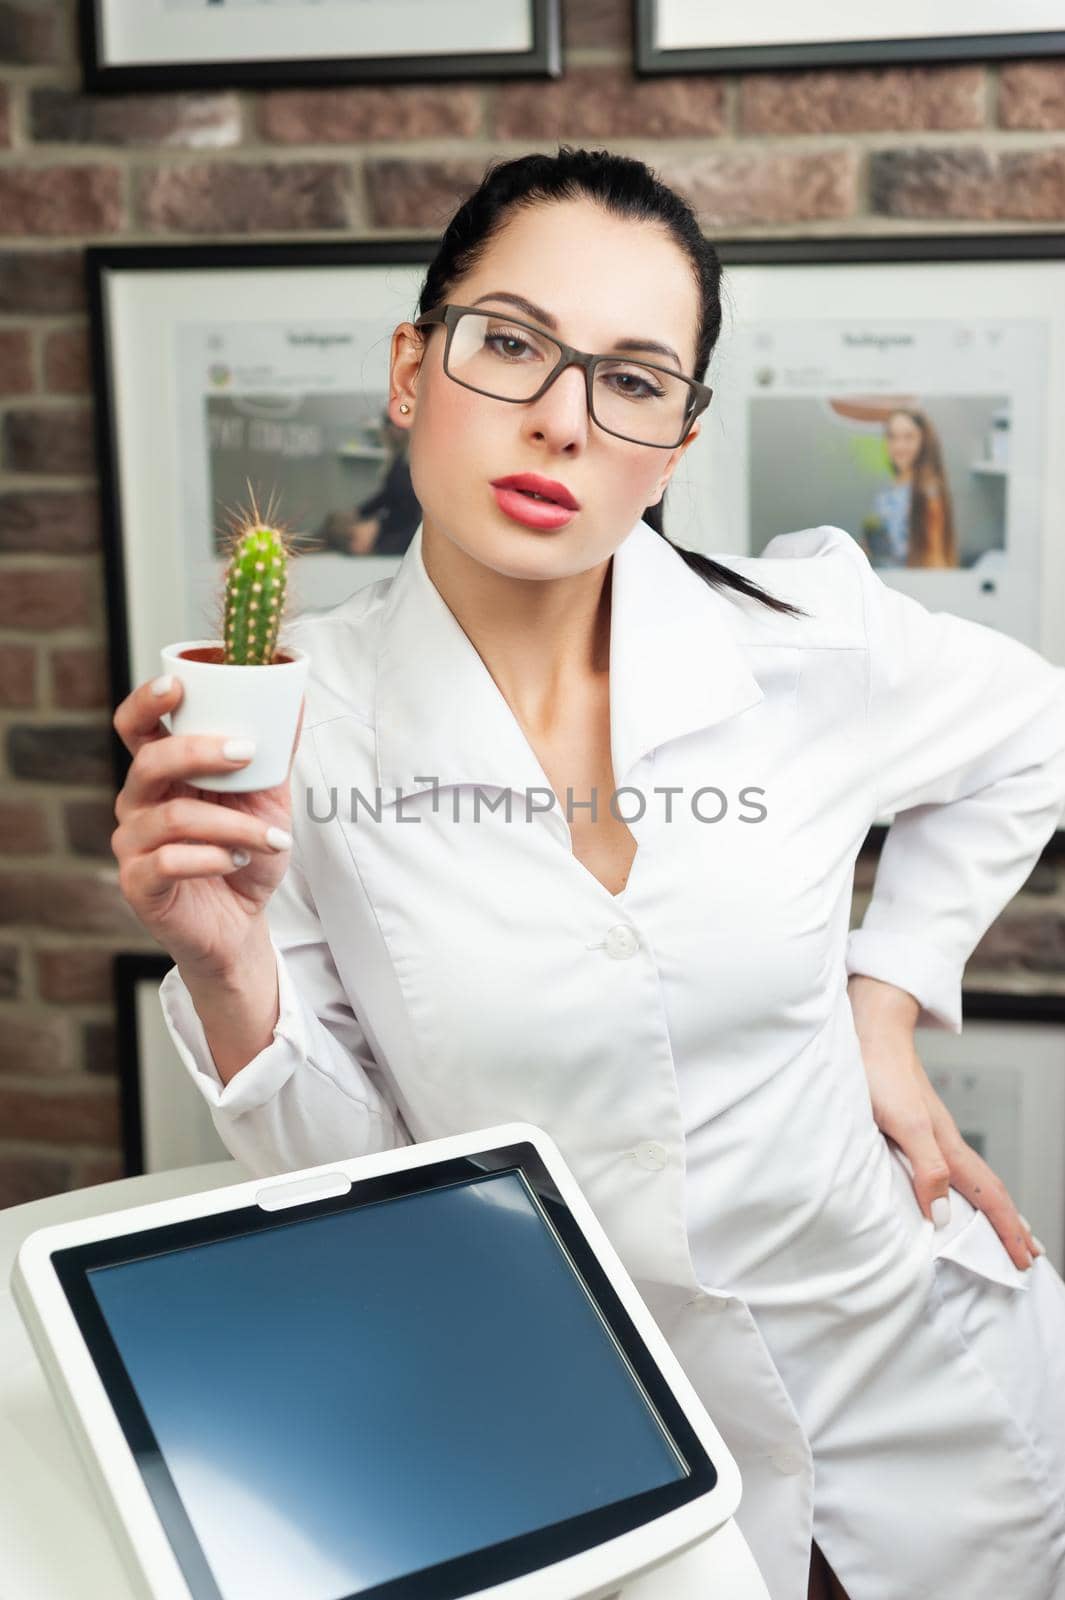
x,y
278,839
240,858
941,1211
238,749
1025,1223
1040,1247
164,684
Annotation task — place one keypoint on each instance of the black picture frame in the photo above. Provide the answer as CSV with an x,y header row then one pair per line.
x,y
100,76
651,61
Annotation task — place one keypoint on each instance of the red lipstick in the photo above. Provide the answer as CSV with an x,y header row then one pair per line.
x,y
517,495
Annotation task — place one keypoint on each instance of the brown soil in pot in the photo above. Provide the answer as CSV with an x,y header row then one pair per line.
x,y
214,653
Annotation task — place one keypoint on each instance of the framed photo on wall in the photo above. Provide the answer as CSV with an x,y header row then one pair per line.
x,y
1003,1081
223,371
763,35
166,1122
846,366
182,44
857,380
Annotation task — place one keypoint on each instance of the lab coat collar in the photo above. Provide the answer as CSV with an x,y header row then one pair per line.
x,y
675,666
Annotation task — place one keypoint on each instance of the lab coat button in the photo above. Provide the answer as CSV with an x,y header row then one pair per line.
x,y
788,1460
652,1156
621,942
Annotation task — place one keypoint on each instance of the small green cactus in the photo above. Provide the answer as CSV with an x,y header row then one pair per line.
x,y
256,580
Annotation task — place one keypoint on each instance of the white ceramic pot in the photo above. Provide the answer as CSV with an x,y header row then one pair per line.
x,y
260,703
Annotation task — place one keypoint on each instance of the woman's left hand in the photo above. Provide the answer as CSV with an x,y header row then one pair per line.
x,y
908,1110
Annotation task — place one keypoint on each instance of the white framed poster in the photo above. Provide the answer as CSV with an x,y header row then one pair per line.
x,y
224,372
696,36
910,390
172,44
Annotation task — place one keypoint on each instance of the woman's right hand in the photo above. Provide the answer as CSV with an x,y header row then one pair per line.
x,y
173,842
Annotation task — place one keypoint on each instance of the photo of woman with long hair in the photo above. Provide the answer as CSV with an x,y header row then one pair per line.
x,y
668,986
915,512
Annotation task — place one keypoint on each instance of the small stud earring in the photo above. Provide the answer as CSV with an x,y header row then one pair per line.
x,y
404,406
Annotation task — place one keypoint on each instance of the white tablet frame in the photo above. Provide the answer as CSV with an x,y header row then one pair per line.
x,y
131,1515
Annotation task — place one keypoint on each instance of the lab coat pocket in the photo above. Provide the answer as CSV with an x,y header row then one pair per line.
x,y
977,1248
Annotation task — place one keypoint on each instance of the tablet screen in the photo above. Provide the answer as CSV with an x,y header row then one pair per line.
x,y
326,1403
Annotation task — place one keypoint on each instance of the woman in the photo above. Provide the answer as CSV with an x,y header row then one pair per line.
x,y
672,994
386,520
916,509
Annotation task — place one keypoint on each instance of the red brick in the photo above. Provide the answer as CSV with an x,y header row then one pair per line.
x,y
61,200
64,1113
50,521
368,112
9,971
79,678
89,825
1031,186
1032,940
18,674
99,1044
607,102
70,903
59,753
420,195
598,25
970,183
47,281
53,440
738,187
66,361
855,100
34,1045
34,34
232,197
941,182
198,120
43,598
74,974
16,361
26,1175
1031,94
24,828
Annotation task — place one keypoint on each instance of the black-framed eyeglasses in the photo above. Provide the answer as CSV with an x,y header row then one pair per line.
x,y
634,400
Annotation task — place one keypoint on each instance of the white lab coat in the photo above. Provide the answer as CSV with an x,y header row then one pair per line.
x,y
895,1392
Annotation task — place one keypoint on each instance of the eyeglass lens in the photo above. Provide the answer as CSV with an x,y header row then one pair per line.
x,y
510,363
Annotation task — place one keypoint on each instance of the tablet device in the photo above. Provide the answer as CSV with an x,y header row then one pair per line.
x,y
423,1373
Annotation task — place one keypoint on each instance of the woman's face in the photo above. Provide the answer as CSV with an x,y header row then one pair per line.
x,y
903,438
602,279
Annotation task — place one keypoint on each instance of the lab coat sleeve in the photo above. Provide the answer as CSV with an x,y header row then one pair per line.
x,y
315,1093
966,741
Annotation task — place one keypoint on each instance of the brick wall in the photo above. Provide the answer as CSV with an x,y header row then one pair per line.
x,y
899,149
